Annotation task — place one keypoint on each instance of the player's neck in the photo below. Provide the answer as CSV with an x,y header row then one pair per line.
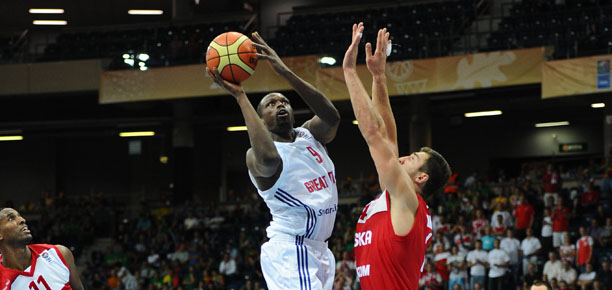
x,y
19,258
285,136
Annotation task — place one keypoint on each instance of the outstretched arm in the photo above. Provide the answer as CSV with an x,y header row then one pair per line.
x,y
75,279
263,159
376,64
380,97
324,124
371,125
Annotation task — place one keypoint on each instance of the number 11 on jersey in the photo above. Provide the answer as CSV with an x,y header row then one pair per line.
x,y
40,280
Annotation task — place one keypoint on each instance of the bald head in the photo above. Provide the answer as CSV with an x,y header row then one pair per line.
x,y
263,101
13,228
5,211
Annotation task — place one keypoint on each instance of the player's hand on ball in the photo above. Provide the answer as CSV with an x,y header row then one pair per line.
x,y
267,53
376,62
234,89
350,57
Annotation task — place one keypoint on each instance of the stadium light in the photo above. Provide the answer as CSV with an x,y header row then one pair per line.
x,y
598,105
483,114
143,56
50,22
327,60
11,138
137,134
552,124
236,128
46,11
145,12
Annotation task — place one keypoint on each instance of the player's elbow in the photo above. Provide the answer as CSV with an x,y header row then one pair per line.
x,y
334,118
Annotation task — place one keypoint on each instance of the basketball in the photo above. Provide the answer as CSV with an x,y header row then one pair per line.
x,y
233,55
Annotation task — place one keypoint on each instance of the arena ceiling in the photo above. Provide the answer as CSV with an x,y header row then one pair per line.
x,y
14,15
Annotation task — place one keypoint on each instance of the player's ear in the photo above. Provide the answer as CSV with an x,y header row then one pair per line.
x,y
421,178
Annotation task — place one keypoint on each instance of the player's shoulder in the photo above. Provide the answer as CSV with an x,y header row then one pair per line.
x,y
40,247
302,132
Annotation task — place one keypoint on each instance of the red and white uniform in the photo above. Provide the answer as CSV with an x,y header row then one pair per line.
x,y
585,249
385,260
48,271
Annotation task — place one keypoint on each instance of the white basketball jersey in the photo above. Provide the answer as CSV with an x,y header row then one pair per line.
x,y
48,271
304,200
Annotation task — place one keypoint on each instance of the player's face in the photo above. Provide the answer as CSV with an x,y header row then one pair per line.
x,y
13,228
413,162
276,112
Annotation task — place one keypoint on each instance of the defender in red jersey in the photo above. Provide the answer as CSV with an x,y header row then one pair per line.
x,y
394,230
36,266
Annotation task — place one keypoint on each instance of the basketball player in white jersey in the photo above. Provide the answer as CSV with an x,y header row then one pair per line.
x,y
295,177
35,266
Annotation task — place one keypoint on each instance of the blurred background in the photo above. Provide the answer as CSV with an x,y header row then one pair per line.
x,y
119,147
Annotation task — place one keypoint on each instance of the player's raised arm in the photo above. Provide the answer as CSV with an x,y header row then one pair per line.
x,y
324,124
371,125
75,279
263,159
376,63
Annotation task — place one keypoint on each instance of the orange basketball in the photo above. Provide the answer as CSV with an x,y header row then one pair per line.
x,y
233,55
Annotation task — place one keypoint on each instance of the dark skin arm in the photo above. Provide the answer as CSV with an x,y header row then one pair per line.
x,y
75,280
324,124
262,158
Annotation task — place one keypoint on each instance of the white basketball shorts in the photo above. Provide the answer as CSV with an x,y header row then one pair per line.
x,y
297,263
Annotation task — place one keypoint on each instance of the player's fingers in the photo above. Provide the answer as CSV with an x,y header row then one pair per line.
x,y
218,78
259,39
263,56
215,77
261,47
368,48
359,32
382,41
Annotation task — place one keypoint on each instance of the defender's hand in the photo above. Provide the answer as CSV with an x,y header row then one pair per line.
x,y
376,62
350,57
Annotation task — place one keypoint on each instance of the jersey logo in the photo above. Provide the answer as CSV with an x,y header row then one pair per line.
x,y
363,238
363,271
377,205
45,255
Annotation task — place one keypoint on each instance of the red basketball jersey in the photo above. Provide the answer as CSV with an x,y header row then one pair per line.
x,y
385,260
48,271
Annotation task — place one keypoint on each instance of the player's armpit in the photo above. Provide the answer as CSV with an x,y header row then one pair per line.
x,y
265,165
395,179
75,279
323,131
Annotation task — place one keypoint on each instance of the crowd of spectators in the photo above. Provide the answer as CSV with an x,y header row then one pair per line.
x,y
511,233
499,234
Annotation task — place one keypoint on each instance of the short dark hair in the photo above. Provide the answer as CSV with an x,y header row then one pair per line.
x,y
438,170
541,283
